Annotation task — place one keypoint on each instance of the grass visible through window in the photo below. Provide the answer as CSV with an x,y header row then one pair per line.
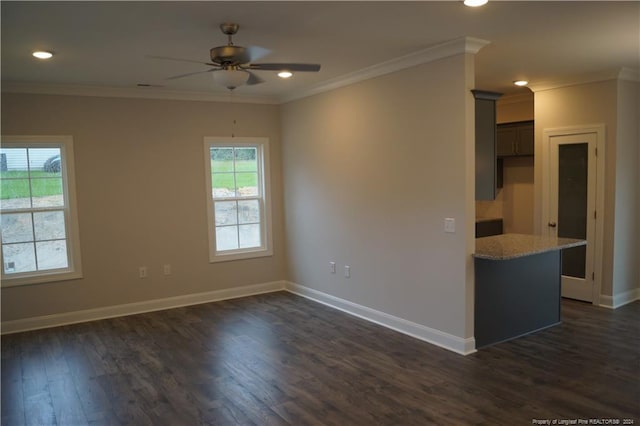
x,y
15,184
246,174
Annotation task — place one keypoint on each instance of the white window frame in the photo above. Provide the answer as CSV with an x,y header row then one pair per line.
x,y
74,268
262,146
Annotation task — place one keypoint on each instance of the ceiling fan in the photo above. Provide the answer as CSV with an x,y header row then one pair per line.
x,y
232,65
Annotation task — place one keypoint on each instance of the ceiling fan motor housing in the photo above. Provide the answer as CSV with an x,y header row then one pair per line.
x,y
229,55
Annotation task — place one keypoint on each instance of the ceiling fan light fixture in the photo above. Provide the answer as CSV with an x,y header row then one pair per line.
x,y
285,74
42,54
475,3
230,78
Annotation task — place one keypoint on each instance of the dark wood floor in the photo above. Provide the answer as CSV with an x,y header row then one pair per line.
x,y
281,359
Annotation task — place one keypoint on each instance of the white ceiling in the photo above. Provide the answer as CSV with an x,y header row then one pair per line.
x,y
105,44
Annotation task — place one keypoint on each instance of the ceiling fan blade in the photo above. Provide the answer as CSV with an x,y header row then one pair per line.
x,y
168,58
253,79
191,73
283,67
255,53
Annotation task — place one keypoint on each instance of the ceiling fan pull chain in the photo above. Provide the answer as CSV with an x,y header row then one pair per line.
x,y
233,113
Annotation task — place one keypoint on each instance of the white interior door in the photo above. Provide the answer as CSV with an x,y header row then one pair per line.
x,y
572,208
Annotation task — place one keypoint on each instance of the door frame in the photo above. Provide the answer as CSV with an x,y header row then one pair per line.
x,y
599,131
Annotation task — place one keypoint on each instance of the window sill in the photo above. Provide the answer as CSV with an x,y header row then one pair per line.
x,y
240,255
39,279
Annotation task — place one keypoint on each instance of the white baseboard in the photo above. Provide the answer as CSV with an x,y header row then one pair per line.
x,y
620,299
418,331
66,318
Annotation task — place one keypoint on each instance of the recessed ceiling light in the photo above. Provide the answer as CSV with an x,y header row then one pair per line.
x,y
521,83
285,74
475,3
42,54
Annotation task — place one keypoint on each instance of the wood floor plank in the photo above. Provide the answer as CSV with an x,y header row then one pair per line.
x,y
55,362
295,414
12,401
66,403
38,405
93,400
254,382
284,360
127,406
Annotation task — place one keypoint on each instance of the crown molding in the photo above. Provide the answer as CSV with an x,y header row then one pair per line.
x,y
627,74
430,54
130,92
516,98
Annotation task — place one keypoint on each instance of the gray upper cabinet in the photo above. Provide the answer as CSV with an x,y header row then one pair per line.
x,y
486,178
515,139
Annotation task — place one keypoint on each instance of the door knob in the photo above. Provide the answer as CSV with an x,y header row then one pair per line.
x,y
552,224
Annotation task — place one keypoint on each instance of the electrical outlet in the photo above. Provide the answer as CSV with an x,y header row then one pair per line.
x,y
332,267
347,271
166,269
142,272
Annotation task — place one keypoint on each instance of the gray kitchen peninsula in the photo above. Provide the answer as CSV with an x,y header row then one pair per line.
x,y
517,285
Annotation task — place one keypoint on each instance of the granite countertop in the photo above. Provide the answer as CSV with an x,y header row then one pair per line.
x,y
511,246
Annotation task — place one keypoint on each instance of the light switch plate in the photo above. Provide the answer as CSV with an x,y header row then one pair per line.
x,y
449,224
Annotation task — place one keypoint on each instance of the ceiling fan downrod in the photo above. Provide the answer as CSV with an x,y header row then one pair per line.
x,y
230,29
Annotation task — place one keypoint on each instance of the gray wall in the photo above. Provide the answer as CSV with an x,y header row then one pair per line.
x,y
370,172
141,197
626,255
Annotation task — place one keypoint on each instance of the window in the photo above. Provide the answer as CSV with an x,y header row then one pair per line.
x,y
37,209
238,200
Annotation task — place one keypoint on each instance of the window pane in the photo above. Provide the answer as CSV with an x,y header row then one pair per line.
x,y
221,159
247,184
249,211
41,156
17,228
223,185
13,162
572,204
226,213
49,225
19,258
226,238
47,192
52,254
249,236
15,192
46,160
246,160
